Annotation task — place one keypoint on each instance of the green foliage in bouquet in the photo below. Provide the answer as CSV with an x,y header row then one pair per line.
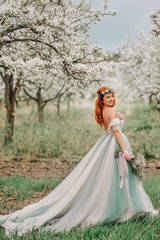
x,y
116,154
137,163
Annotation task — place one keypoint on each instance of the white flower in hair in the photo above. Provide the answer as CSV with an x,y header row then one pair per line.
x,y
110,90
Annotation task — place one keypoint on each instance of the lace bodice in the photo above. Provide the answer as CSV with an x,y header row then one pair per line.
x,y
114,125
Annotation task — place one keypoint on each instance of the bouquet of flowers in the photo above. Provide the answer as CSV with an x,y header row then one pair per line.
x,y
137,163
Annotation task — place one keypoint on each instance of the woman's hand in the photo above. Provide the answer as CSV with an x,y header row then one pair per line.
x,y
119,115
128,155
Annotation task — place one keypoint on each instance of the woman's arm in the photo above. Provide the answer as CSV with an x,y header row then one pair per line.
x,y
119,138
118,135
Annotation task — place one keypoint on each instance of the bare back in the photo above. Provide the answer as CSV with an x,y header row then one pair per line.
x,y
108,114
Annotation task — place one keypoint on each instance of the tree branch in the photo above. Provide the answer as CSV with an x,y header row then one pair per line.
x,y
30,40
50,99
3,66
29,95
1,74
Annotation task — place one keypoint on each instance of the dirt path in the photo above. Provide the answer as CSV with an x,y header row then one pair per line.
x,y
50,168
34,167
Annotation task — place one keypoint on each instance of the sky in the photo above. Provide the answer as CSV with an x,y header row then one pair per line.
x,y
112,30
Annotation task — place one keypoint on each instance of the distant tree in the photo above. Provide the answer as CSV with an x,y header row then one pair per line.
x,y
139,65
43,87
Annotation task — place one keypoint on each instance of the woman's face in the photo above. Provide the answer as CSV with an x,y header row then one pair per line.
x,y
108,99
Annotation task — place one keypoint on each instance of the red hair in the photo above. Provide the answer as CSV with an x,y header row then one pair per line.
x,y
99,107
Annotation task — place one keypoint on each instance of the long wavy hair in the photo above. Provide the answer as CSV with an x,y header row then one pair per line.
x,y
99,107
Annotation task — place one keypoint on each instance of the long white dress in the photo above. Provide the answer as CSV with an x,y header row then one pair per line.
x,y
90,194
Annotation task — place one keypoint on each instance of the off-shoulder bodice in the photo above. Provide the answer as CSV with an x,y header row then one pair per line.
x,y
114,125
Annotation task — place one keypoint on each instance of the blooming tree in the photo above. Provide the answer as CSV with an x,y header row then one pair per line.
x,y
139,66
45,86
54,33
155,21
11,71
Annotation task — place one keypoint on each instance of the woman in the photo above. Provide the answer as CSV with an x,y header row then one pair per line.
x,y
94,191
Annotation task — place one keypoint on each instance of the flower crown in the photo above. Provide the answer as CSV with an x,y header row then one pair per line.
x,y
109,90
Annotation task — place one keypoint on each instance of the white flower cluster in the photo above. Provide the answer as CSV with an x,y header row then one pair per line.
x,y
138,163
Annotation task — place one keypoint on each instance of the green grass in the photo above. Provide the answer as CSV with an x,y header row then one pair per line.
x,y
65,136
25,187
71,136
143,130
138,228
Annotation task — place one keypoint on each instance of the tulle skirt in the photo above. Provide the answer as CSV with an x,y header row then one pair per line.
x,y
90,194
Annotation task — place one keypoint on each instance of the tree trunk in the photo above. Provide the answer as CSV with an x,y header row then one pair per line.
x,y
41,115
158,102
58,105
27,102
150,99
40,105
10,106
17,104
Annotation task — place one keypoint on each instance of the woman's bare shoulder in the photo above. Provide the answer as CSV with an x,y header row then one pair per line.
x,y
109,110
109,113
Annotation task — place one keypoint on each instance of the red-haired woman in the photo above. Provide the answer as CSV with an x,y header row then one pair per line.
x,y
107,116
99,189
